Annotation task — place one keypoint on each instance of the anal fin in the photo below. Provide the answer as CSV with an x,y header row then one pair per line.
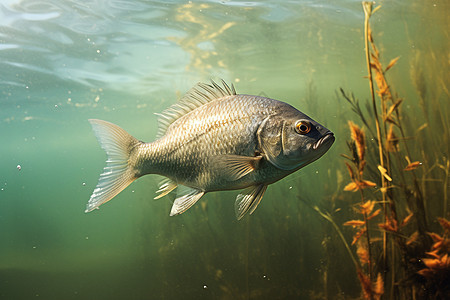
x,y
187,198
248,200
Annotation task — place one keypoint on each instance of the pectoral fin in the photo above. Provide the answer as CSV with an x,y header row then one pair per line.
x,y
248,200
166,186
186,198
237,166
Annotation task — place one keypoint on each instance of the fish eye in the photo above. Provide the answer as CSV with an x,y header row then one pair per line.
x,y
303,127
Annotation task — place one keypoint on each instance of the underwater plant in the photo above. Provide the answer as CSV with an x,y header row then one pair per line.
x,y
392,167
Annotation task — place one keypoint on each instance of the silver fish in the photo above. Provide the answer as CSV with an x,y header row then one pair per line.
x,y
213,139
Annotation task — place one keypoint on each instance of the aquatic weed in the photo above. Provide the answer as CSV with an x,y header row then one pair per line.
x,y
392,171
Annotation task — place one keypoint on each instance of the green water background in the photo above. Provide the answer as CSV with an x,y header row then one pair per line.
x,y
63,62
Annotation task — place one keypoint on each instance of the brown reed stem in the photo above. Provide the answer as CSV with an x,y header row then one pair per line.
x,y
367,6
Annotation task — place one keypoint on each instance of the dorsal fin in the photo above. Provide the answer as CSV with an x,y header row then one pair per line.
x,y
197,96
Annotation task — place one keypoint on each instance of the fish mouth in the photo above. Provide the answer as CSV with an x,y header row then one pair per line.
x,y
327,140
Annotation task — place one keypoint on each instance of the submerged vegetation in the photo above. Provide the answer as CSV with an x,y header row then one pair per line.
x,y
400,175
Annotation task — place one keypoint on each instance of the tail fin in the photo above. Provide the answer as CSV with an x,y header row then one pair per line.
x,y
118,173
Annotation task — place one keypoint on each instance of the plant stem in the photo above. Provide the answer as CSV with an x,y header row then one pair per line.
x,y
367,6
327,217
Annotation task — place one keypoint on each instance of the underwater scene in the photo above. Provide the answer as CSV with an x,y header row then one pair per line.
x,y
370,219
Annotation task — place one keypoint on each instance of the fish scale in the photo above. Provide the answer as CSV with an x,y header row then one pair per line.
x,y
192,140
211,140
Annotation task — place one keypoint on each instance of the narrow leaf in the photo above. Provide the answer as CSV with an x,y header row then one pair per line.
x,y
375,9
383,172
393,108
436,237
351,187
412,166
392,63
425,125
350,170
406,219
354,223
432,263
444,223
433,253
367,183
413,238
375,213
367,207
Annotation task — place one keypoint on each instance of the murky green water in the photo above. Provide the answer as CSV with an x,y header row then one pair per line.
x,y
63,62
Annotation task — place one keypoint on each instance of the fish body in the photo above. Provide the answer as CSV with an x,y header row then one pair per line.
x,y
211,140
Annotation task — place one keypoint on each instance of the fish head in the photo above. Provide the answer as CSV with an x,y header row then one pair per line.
x,y
291,141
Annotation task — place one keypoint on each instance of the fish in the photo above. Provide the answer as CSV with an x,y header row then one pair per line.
x,y
212,139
